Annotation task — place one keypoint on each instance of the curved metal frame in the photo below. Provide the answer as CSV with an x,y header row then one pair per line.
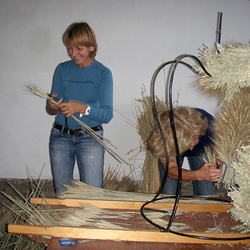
x,y
174,65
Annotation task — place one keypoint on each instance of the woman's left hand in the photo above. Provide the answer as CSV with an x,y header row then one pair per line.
x,y
209,172
71,107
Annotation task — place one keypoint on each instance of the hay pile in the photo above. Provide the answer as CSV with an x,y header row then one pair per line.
x,y
229,67
22,211
114,179
232,131
240,194
144,119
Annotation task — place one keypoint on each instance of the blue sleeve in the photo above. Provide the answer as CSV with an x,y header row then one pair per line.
x,y
104,113
58,87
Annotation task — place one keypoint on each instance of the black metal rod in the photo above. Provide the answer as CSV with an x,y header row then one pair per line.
x,y
219,24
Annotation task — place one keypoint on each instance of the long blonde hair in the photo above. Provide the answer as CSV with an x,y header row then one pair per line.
x,y
188,124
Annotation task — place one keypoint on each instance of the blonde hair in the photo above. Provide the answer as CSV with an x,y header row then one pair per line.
x,y
188,124
80,34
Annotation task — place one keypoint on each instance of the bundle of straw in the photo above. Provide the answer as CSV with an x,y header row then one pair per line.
x,y
15,241
41,93
81,190
22,211
144,115
229,66
230,70
240,194
114,179
231,130
145,119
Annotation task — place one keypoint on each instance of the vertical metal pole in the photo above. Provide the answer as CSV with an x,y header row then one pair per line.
x,y
219,22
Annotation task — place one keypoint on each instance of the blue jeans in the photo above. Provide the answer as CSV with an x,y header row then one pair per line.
x,y
65,149
200,187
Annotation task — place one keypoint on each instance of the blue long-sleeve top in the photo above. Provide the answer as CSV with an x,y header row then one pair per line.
x,y
92,85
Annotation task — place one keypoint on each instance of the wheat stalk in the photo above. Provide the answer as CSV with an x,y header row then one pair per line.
x,y
240,193
229,66
41,93
231,130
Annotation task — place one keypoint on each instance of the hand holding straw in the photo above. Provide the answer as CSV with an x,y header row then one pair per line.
x,y
41,93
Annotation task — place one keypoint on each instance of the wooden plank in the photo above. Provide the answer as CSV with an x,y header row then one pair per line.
x,y
132,205
126,235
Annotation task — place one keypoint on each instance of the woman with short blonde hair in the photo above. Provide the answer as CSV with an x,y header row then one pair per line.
x,y
84,87
80,34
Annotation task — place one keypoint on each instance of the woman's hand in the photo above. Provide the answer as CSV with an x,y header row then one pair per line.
x,y
71,107
53,107
209,172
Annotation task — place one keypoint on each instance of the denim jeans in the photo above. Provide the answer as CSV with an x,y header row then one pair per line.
x,y
200,187
65,149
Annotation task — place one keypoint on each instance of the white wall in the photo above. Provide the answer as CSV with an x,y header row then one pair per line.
x,y
134,37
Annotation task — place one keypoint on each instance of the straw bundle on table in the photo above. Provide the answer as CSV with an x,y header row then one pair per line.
x,y
145,119
24,212
114,179
80,190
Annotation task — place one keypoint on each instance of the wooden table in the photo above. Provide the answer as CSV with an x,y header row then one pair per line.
x,y
141,234
112,245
